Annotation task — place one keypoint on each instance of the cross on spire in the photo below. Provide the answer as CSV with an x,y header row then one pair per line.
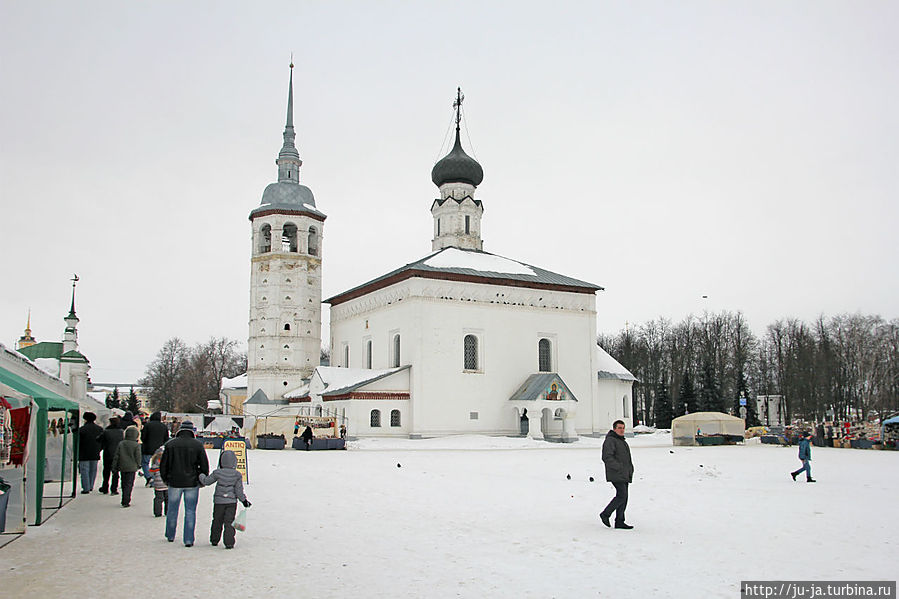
x,y
457,104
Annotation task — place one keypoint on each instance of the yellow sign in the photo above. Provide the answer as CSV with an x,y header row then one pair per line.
x,y
239,447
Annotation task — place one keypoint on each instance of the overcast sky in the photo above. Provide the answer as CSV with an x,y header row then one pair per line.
x,y
746,151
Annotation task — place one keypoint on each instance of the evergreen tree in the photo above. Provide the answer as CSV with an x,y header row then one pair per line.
x,y
112,399
133,405
688,401
663,407
710,399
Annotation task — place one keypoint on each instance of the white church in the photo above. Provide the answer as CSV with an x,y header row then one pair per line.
x,y
459,341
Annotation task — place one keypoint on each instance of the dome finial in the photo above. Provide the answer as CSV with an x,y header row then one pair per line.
x,y
457,104
457,166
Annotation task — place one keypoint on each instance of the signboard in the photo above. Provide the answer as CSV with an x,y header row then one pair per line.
x,y
239,447
742,401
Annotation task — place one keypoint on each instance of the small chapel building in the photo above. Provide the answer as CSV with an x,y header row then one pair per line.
x,y
459,341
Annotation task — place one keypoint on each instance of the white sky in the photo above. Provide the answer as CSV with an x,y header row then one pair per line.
x,y
742,150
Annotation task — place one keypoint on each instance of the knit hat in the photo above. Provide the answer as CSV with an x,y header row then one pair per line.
x,y
187,425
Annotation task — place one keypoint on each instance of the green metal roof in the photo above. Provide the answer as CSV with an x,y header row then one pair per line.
x,y
44,349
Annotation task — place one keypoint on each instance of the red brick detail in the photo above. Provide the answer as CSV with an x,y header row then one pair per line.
x,y
303,399
366,395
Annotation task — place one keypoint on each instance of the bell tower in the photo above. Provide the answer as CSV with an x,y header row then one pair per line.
x,y
284,344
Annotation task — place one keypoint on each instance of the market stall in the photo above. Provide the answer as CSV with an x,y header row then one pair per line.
x,y
52,459
16,436
707,428
889,433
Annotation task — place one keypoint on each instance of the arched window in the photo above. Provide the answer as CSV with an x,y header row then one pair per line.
x,y
544,358
470,344
312,243
368,354
289,238
375,418
346,356
265,239
467,224
395,418
287,326
624,411
396,350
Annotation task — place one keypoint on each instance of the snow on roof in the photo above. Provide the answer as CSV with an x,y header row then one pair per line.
x,y
48,365
301,391
238,382
335,378
455,258
608,367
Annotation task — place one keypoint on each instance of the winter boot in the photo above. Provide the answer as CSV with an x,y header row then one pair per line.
x,y
810,480
793,474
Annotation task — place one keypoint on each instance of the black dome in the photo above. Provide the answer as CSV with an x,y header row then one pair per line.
x,y
457,167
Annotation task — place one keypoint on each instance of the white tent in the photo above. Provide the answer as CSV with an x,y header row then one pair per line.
x,y
685,429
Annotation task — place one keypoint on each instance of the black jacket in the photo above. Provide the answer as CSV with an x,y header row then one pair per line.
x,y
154,435
616,455
183,460
89,442
109,440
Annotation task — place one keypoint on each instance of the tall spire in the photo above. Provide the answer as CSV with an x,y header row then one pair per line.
x,y
26,340
288,161
72,309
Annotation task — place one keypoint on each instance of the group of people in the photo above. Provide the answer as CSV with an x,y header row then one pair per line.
x,y
176,468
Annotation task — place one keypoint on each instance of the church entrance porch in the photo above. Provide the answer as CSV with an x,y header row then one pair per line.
x,y
544,408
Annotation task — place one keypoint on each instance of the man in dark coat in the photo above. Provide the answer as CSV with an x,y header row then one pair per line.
x,y
805,454
88,451
152,437
182,463
616,455
109,440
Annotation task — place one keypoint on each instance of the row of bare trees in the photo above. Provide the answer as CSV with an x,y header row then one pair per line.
x,y
183,379
843,367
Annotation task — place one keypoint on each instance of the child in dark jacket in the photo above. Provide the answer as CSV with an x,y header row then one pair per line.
x,y
127,462
160,489
227,493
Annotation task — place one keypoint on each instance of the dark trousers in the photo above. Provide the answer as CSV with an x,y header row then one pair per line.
x,y
160,502
107,470
618,503
127,485
223,515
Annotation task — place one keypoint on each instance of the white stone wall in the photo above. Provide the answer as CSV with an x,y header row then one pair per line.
x,y
451,217
433,318
285,289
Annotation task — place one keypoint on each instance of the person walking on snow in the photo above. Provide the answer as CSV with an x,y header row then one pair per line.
x,y
183,461
805,454
228,491
109,441
152,437
616,455
127,462
88,451
160,489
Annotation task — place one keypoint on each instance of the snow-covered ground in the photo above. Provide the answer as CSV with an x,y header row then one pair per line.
x,y
487,517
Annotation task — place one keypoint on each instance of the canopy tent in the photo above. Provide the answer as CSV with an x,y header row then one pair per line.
x,y
889,432
685,429
37,467
16,438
